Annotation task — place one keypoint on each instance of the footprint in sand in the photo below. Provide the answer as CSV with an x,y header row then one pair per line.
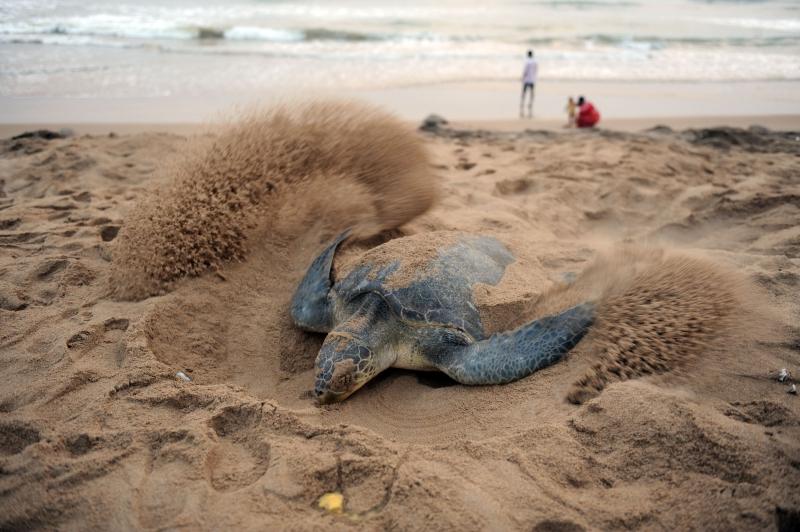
x,y
242,455
171,466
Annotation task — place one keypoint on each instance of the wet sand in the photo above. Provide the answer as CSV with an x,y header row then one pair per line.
x,y
622,101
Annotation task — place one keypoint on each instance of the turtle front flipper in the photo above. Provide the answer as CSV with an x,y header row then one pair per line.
x,y
506,357
311,306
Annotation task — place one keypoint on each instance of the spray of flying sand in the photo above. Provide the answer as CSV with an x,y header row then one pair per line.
x,y
659,311
324,165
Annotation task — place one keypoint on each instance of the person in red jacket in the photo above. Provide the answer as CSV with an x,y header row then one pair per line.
x,y
588,116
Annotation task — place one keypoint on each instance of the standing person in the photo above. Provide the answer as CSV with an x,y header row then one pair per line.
x,y
570,109
529,74
588,116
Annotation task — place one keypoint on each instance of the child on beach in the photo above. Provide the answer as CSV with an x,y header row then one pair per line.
x,y
588,115
570,108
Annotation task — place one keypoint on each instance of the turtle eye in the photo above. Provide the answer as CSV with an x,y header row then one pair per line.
x,y
343,372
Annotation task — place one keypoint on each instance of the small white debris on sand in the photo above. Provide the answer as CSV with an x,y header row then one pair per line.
x,y
183,376
792,389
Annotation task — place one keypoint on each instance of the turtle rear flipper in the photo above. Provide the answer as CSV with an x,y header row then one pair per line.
x,y
311,307
505,357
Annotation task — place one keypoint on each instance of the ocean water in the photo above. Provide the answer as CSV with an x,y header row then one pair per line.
x,y
148,48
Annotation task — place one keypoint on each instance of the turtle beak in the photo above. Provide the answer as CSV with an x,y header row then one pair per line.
x,y
329,397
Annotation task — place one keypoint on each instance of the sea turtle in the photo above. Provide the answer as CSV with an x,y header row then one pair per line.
x,y
390,311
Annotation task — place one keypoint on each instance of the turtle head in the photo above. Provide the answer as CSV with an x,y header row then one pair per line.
x,y
344,364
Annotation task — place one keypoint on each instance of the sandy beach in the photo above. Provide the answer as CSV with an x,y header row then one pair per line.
x,y
527,327
98,430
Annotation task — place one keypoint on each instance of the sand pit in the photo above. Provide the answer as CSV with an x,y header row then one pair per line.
x,y
98,432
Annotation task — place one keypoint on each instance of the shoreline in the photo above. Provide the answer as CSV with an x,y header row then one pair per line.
x,y
773,122
469,102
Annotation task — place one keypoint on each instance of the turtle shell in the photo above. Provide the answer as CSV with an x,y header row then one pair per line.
x,y
429,277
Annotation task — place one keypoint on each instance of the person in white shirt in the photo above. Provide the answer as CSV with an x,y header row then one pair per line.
x,y
528,83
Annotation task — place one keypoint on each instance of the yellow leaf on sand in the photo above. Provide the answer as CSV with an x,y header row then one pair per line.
x,y
333,502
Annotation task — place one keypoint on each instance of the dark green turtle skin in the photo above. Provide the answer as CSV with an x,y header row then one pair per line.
x,y
429,322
